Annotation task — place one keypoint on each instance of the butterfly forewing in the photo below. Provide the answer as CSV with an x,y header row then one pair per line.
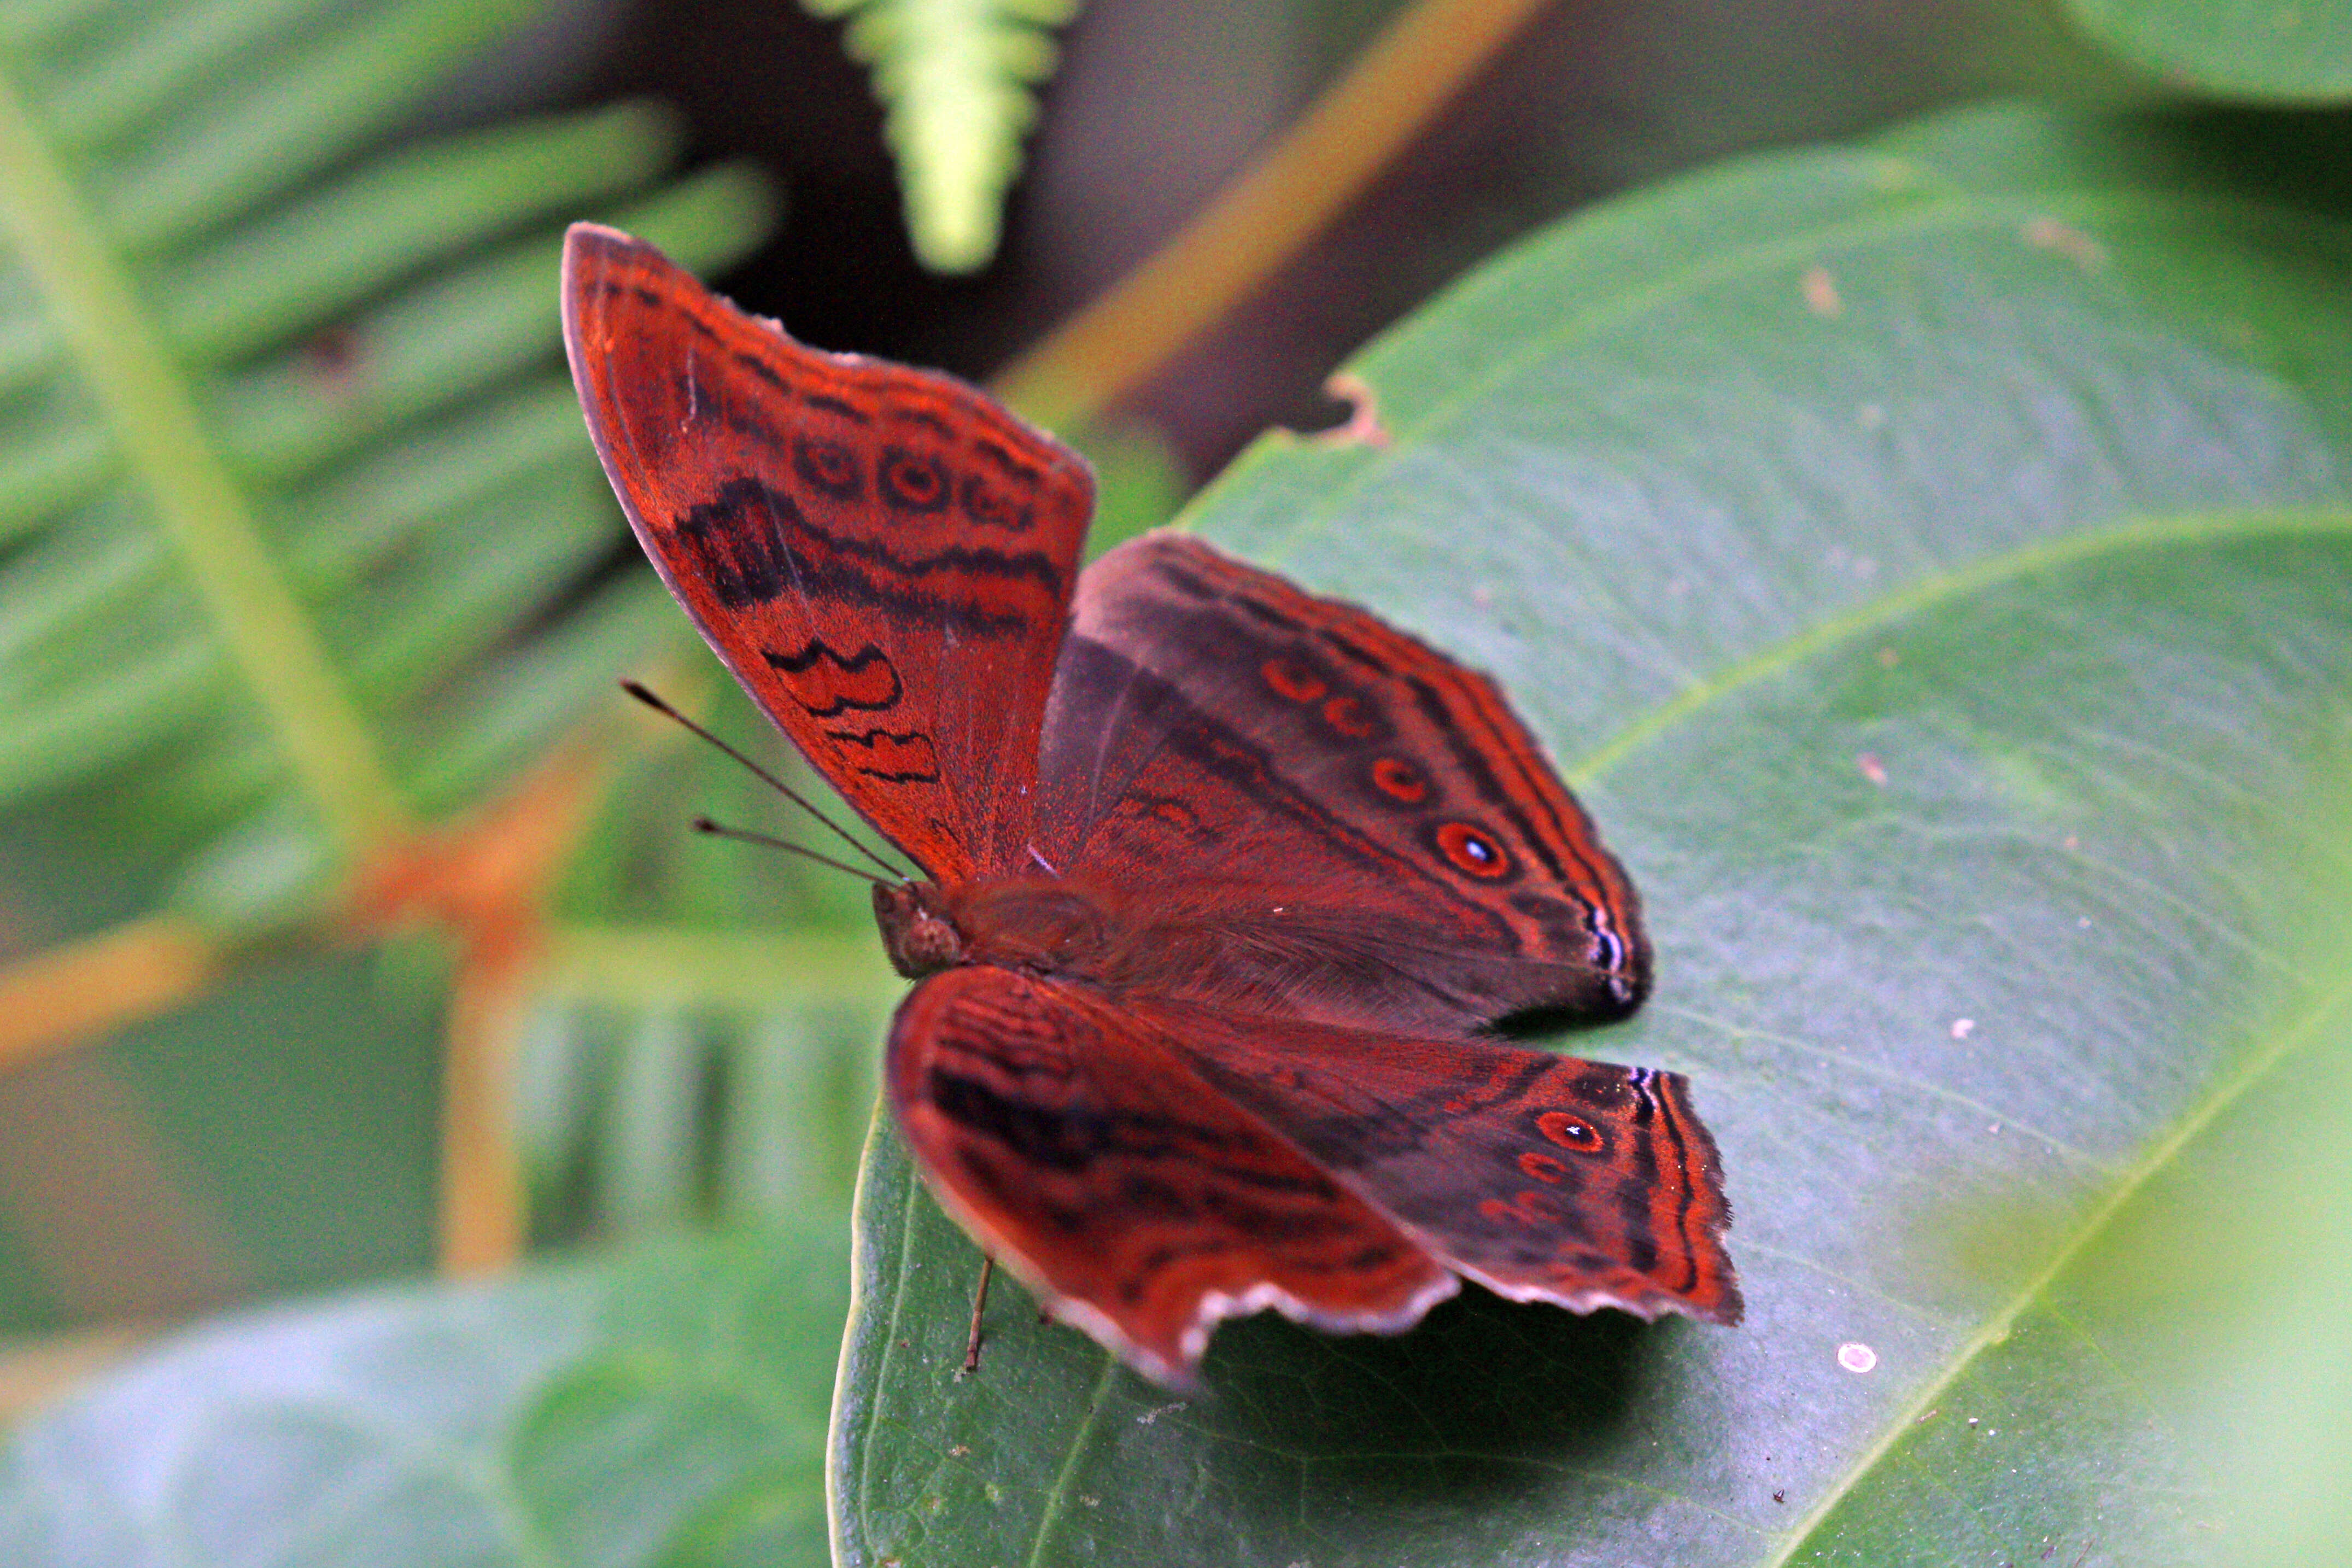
x,y
1382,841
883,557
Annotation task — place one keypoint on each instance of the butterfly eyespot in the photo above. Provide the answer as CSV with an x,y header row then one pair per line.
x,y
1471,852
913,483
1350,716
983,503
829,467
1399,781
1569,1131
1291,679
1541,1167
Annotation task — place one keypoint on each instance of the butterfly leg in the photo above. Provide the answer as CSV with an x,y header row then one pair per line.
x,y
979,1305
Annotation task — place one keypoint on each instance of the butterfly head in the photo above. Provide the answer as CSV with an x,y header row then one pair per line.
x,y
917,931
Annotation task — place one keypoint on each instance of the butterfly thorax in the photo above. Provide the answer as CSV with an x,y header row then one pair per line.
x,y
1047,927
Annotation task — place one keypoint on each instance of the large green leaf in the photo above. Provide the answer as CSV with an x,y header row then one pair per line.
x,y
666,1409
2256,50
1932,563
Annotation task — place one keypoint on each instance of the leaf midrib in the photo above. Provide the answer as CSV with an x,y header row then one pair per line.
x,y
2190,529
2184,529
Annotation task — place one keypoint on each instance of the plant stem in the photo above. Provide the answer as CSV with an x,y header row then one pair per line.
x,y
54,1002
1265,217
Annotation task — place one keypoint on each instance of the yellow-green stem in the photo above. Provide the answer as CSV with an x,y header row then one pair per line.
x,y
1262,220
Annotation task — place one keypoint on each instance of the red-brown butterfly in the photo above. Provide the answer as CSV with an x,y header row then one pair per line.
x,y
1225,882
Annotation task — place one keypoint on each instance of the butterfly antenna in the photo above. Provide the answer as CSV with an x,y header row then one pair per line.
x,y
704,824
647,697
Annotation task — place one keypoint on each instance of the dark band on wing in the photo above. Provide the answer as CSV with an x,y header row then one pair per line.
x,y
1634,1197
1693,1153
753,543
840,674
923,417
757,366
898,756
836,407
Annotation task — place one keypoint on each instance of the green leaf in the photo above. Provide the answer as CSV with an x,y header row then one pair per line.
x,y
2266,1388
1931,563
2254,51
667,1406
646,1104
958,77
1138,482
268,386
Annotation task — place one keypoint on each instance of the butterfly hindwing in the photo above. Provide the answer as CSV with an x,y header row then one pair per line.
x,y
1080,1150
882,556
1541,1176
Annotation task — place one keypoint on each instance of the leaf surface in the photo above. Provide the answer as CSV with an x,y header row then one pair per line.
x,y
668,1408
2254,50
1932,565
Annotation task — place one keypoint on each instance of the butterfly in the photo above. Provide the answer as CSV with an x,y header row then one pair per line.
x,y
1224,885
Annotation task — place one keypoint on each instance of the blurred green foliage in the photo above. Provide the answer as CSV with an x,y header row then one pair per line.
x,y
960,78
